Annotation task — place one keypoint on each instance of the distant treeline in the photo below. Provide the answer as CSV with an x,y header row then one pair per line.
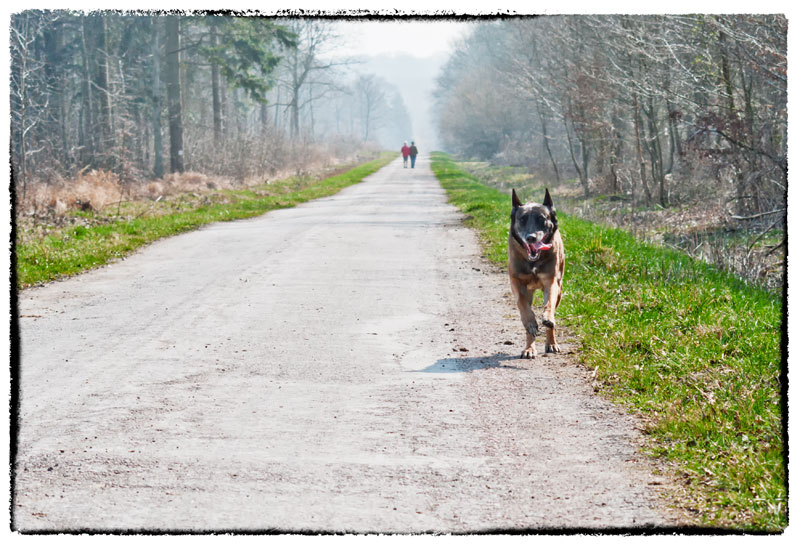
x,y
662,107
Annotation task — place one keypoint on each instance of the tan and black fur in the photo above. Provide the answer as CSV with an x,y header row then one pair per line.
x,y
533,266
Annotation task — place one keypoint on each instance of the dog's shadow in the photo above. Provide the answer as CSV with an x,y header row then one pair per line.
x,y
465,365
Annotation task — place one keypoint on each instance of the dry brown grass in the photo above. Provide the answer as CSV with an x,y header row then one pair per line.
x,y
181,182
92,190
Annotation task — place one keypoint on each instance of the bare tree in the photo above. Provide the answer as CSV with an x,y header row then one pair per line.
x,y
371,96
306,71
27,92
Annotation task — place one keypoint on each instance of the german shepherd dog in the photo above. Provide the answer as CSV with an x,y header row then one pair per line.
x,y
535,262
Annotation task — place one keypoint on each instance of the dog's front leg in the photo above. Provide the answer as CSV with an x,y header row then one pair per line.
x,y
524,299
552,297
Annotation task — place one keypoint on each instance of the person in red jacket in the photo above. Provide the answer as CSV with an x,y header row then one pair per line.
x,y
406,151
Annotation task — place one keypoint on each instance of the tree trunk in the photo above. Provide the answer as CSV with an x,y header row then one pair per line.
x,y
311,108
637,122
86,139
176,158
54,68
158,157
21,92
585,159
215,98
673,144
294,105
744,206
224,109
237,111
263,117
726,74
367,115
670,129
546,140
616,150
654,149
98,54
581,172
277,102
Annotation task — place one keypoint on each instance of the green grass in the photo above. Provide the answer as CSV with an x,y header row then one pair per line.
x,y
695,351
71,250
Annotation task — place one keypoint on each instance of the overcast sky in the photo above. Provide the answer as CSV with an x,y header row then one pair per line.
x,y
417,38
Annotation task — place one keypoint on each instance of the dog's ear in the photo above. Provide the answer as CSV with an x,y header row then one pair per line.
x,y
548,201
515,202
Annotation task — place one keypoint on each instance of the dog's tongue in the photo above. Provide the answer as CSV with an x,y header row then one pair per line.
x,y
536,246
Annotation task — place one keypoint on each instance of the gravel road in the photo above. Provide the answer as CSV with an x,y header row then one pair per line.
x,y
346,365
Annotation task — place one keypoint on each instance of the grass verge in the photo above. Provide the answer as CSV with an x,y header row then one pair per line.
x,y
72,249
695,351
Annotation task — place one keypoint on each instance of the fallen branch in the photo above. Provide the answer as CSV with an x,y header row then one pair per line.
x,y
754,216
764,232
781,243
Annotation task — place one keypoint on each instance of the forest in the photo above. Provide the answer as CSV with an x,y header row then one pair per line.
x,y
659,112
132,98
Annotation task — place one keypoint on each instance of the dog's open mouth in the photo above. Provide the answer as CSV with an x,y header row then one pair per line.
x,y
535,249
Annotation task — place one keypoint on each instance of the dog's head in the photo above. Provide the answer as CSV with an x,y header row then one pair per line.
x,y
533,225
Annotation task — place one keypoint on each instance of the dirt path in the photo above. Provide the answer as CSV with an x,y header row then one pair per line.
x,y
340,366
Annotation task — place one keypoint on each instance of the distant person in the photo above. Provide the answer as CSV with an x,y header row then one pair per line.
x,y
412,152
405,150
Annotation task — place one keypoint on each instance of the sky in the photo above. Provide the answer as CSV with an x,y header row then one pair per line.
x,y
417,38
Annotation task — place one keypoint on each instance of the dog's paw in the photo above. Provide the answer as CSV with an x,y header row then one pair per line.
x,y
529,353
548,324
551,348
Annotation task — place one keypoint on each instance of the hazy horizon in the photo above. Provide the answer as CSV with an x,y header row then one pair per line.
x,y
409,55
